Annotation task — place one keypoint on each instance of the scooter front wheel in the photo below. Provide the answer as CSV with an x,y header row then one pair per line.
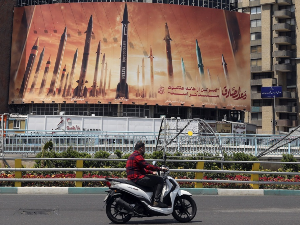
x,y
115,212
185,209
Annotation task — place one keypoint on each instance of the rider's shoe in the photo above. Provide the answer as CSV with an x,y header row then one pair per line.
x,y
160,205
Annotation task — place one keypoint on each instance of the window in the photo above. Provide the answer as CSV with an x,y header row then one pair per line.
x,y
256,10
17,124
255,49
256,62
262,75
290,21
255,23
255,36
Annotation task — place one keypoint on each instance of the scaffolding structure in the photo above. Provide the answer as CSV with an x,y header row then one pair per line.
x,y
188,137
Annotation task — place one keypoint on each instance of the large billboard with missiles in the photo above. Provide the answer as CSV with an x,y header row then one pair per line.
x,y
130,53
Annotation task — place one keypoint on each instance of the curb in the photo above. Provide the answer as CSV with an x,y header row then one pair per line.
x,y
102,190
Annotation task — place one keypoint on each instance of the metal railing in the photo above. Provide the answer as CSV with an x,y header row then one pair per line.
x,y
199,172
31,142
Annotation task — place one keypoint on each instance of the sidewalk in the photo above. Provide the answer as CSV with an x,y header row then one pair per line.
x,y
102,190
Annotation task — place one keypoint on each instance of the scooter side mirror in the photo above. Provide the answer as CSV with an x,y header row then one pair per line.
x,y
154,163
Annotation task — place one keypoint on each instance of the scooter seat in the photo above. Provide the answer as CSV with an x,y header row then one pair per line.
x,y
144,188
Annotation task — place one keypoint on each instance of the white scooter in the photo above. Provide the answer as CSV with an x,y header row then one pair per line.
x,y
126,199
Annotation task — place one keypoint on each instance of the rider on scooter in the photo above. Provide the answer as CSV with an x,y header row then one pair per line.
x,y
137,169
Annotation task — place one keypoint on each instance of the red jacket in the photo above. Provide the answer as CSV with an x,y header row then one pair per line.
x,y
137,167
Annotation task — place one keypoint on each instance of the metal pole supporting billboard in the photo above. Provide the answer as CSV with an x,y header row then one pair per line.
x,y
2,134
273,120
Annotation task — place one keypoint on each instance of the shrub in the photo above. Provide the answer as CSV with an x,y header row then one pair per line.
x,y
242,157
290,167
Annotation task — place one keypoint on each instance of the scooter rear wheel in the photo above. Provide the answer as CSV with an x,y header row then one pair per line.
x,y
185,209
115,212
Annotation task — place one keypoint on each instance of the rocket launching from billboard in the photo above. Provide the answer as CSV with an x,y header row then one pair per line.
x,y
122,87
37,71
108,86
65,88
57,66
62,80
199,59
224,64
138,81
81,90
183,72
209,77
168,40
151,95
69,90
102,75
93,92
143,79
104,85
29,67
43,83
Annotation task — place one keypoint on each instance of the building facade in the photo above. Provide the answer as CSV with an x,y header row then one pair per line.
x,y
274,61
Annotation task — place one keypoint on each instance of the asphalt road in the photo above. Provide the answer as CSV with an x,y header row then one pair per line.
x,y
89,210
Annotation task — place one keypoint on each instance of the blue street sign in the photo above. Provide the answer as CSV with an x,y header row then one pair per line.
x,y
271,92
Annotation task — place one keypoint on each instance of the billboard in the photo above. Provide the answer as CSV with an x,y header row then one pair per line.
x,y
130,53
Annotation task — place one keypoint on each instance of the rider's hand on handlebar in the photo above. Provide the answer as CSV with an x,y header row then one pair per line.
x,y
165,169
154,172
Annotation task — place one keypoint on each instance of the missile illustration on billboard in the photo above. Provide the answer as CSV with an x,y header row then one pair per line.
x,y
108,86
69,89
224,64
152,94
81,90
233,30
138,82
199,59
37,71
46,71
209,77
93,92
104,85
57,66
200,65
122,87
62,80
102,75
65,88
168,40
183,72
143,79
30,63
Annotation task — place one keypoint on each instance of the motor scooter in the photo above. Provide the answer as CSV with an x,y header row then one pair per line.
x,y
125,200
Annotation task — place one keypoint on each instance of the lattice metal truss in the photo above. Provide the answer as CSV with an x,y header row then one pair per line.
x,y
189,137
289,138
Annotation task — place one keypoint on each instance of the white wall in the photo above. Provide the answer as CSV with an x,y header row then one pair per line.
x,y
57,122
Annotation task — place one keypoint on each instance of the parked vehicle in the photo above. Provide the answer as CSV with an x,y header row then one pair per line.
x,y
126,199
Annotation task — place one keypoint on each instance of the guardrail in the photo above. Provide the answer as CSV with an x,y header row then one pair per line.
x,y
31,142
199,172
